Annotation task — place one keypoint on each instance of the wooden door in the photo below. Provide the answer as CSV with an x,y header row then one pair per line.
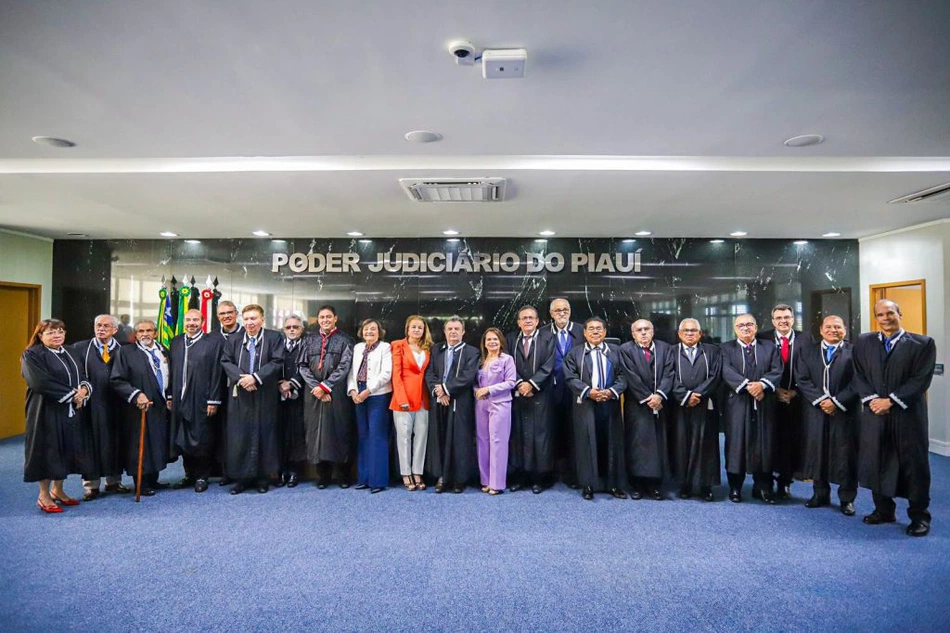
x,y
911,296
21,309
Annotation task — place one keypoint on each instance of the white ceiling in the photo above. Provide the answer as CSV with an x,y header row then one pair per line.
x,y
610,85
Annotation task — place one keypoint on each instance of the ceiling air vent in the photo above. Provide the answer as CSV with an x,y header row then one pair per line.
x,y
454,189
927,195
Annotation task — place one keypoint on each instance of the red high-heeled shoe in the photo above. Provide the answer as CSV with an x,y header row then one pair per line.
x,y
52,509
66,502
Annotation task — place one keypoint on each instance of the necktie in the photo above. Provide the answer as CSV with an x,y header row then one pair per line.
x,y
290,345
105,354
252,351
449,355
562,342
158,370
527,345
889,344
364,366
647,354
325,339
691,353
829,352
599,359
785,349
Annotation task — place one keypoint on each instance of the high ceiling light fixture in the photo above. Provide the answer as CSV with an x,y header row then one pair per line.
x,y
717,241
354,234
52,141
738,233
168,234
450,232
643,233
260,233
547,233
831,234
804,140
423,136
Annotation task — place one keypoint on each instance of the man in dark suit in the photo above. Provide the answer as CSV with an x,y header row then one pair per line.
x,y
751,369
292,428
648,368
830,424
567,334
595,376
450,377
786,450
892,372
531,450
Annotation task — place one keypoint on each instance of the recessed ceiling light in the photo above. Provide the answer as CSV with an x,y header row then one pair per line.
x,y
541,241
629,241
450,232
278,241
192,241
804,140
716,241
452,239
52,141
738,234
423,136
261,233
354,234
800,242
168,234
76,234
831,234
547,233
643,233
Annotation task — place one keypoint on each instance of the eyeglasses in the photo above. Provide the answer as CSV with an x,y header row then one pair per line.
x,y
745,326
594,328
293,327
228,313
560,310
527,318
689,331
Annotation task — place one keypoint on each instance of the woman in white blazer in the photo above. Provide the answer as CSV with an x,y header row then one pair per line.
x,y
370,385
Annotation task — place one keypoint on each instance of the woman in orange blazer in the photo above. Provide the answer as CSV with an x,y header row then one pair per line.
x,y
410,402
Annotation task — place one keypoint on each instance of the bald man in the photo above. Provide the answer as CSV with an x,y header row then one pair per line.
x,y
892,372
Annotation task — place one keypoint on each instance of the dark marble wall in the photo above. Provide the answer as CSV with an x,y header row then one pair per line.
x,y
677,278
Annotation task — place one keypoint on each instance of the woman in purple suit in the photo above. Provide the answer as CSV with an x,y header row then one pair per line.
x,y
496,379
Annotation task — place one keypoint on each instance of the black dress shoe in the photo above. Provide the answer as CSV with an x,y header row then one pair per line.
x,y
918,528
187,482
238,488
735,496
683,493
201,485
708,496
515,487
459,489
225,481
847,509
876,518
359,486
89,495
118,488
292,480
321,484
439,486
373,491
344,484
817,501
573,486
536,489
278,482
160,486
765,496
783,492
148,492
618,493
656,494
588,493
262,488
636,495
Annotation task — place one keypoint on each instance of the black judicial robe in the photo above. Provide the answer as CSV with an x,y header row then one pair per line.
x,y
102,410
330,426
132,374
220,421
749,425
195,368
893,459
789,434
531,447
450,447
598,457
694,441
292,429
830,442
252,448
55,442
645,430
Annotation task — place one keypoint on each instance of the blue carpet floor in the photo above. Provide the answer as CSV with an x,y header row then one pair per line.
x,y
397,561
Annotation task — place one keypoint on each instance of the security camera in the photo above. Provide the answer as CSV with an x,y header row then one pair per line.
x,y
463,51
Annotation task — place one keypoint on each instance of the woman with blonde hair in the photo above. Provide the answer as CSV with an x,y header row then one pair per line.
x,y
410,401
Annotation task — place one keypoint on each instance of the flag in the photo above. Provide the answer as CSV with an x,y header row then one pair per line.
x,y
183,296
166,322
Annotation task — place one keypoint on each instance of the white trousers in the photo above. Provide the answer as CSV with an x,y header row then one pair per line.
x,y
412,429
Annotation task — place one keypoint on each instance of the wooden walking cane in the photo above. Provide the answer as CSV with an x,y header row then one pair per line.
x,y
138,479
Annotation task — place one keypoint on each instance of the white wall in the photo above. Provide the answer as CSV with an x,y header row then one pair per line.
x,y
919,252
27,259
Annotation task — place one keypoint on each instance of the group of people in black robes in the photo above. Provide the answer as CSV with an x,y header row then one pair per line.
x,y
254,406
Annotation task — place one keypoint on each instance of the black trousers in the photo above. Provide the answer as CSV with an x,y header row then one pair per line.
x,y
197,466
916,509
846,494
760,481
